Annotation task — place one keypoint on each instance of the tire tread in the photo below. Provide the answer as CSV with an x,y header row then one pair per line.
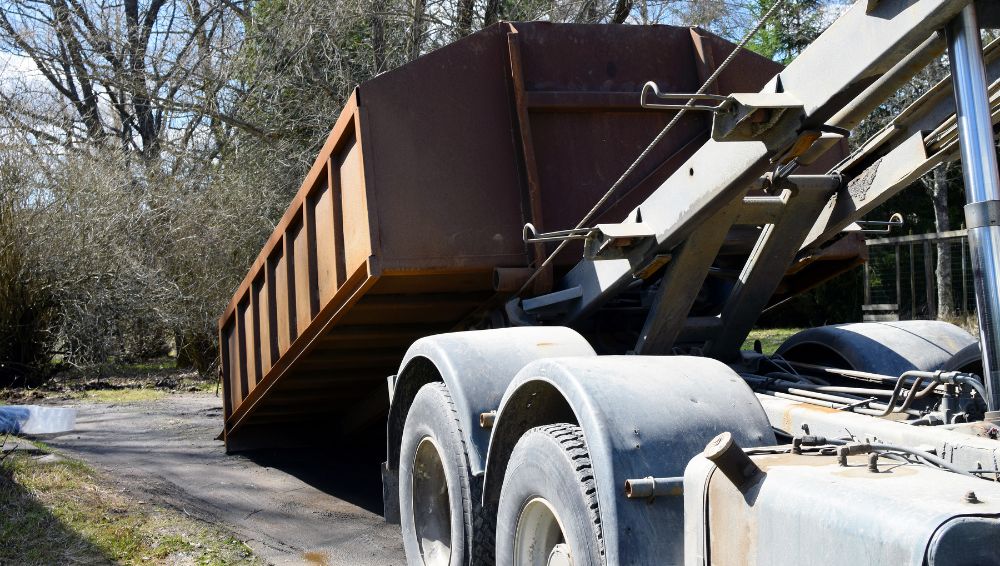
x,y
570,438
471,508
482,551
472,514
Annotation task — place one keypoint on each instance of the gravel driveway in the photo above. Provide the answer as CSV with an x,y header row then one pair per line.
x,y
296,507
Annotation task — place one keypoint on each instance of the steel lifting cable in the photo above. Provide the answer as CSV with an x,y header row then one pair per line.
x,y
666,129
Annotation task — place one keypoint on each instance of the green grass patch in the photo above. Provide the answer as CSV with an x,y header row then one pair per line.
x,y
153,365
113,382
58,510
118,395
770,338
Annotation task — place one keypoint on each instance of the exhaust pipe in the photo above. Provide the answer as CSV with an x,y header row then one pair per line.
x,y
982,188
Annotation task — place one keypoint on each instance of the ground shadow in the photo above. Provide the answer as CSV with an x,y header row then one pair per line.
x,y
30,534
346,468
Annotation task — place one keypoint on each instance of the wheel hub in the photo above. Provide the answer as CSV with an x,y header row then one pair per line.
x,y
539,538
560,556
431,507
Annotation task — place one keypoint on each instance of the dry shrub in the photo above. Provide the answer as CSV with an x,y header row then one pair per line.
x,y
26,304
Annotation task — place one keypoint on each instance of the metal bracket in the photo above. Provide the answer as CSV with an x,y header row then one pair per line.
x,y
894,221
983,213
651,87
747,116
607,236
531,235
538,303
603,236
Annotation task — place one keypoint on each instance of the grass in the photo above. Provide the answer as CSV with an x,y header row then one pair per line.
x,y
117,395
165,363
144,381
58,510
139,394
770,338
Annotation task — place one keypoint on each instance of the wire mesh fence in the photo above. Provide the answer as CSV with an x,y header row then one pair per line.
x,y
925,276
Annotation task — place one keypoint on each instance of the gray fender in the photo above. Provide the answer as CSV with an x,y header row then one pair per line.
x,y
641,416
476,366
889,348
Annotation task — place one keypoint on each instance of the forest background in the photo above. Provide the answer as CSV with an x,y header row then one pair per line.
x,y
148,147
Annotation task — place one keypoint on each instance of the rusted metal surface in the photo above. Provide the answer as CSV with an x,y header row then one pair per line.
x,y
544,281
421,192
582,87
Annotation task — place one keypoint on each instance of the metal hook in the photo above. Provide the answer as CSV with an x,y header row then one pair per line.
x,y
531,235
652,87
895,220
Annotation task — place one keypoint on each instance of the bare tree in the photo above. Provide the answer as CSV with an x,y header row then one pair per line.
x,y
937,187
623,9
159,141
142,74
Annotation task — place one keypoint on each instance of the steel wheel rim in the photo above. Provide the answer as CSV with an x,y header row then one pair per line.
x,y
431,505
539,538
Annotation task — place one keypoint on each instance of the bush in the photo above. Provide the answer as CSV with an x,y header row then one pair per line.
x,y
26,307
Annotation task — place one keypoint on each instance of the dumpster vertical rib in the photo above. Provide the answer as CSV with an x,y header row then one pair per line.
x,y
544,280
252,337
290,295
284,302
270,311
240,391
333,180
225,369
311,286
324,229
261,329
299,260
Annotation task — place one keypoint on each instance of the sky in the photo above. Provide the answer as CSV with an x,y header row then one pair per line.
x,y
15,68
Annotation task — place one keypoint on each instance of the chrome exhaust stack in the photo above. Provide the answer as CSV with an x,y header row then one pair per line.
x,y
982,188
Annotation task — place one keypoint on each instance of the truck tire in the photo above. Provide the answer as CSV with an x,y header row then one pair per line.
x,y
548,510
436,502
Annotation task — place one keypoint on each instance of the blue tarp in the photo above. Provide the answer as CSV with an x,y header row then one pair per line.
x,y
34,419
12,418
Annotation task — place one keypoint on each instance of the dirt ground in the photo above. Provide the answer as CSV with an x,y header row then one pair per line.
x,y
290,507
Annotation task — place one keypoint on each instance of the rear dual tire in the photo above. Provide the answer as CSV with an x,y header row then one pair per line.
x,y
548,513
440,508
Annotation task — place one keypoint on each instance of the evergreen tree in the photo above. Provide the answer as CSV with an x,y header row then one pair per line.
x,y
791,30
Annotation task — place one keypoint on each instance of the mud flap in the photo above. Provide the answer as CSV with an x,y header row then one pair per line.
x,y
390,494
